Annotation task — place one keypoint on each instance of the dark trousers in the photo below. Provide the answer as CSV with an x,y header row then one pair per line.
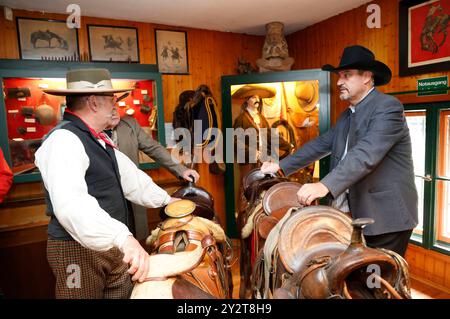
x,y
397,241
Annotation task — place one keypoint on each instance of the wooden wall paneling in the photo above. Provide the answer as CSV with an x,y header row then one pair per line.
x,y
439,272
447,275
25,272
429,267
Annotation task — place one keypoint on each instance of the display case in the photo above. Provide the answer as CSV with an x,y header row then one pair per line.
x,y
298,108
27,114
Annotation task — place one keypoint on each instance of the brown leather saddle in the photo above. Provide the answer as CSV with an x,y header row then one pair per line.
x,y
182,232
325,256
281,195
276,202
262,195
254,183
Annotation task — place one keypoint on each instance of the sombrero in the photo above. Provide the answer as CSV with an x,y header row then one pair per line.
x,y
180,208
254,89
307,93
45,114
87,81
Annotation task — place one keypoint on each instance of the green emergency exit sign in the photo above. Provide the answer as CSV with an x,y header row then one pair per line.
x,y
432,86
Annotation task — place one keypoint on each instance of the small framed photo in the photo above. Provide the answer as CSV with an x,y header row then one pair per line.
x,y
171,51
43,39
424,46
113,44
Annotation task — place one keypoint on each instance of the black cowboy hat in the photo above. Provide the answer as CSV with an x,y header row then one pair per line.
x,y
361,58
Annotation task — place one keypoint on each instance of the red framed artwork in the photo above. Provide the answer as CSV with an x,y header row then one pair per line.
x,y
424,41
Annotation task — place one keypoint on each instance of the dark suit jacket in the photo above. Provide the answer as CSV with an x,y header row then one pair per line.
x,y
131,139
378,170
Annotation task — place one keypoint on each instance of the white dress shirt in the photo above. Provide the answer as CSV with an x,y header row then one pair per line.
x,y
63,162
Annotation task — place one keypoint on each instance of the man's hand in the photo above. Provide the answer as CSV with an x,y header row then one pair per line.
x,y
136,257
269,168
187,175
309,192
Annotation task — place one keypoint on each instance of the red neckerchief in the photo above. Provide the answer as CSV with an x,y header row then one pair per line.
x,y
102,136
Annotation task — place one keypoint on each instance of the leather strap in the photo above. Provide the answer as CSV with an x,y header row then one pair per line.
x,y
207,241
170,236
183,221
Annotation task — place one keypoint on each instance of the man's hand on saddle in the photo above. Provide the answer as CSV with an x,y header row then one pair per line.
x,y
269,168
137,259
310,192
189,173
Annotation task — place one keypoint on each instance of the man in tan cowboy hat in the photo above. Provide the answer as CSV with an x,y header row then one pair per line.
x,y
371,170
87,180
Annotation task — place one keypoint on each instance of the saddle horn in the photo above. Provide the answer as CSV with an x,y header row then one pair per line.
x,y
357,233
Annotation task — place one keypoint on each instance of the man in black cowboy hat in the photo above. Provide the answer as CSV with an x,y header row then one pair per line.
x,y
371,169
90,248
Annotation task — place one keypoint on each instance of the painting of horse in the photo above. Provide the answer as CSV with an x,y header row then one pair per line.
x,y
113,44
46,39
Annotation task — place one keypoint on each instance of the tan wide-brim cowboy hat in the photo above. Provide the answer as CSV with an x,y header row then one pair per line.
x,y
307,93
87,81
249,90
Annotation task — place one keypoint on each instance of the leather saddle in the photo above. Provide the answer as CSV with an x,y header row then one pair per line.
x,y
203,200
183,232
326,255
280,195
255,182
276,202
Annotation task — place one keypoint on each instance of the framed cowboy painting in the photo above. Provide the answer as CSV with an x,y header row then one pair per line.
x,y
171,52
424,45
113,44
43,39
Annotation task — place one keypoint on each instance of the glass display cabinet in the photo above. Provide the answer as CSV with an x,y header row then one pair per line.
x,y
27,114
298,108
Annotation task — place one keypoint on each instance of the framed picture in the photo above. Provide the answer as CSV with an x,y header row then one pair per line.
x,y
41,39
424,46
113,44
171,52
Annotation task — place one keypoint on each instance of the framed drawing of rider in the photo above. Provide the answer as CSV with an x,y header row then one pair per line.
x,y
113,44
171,51
43,39
424,46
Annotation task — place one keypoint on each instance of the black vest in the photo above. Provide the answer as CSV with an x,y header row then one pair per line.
x,y
102,178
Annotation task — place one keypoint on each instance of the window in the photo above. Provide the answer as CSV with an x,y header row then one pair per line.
x,y
417,125
443,179
430,135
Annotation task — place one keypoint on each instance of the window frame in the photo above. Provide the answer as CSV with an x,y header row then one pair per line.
x,y
430,214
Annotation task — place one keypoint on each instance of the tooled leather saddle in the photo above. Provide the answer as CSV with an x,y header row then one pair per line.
x,y
325,256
